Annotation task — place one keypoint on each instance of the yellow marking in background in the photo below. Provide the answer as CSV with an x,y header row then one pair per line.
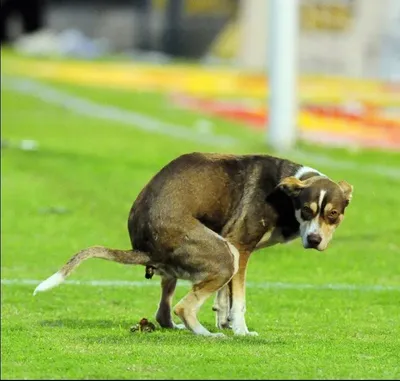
x,y
200,7
213,82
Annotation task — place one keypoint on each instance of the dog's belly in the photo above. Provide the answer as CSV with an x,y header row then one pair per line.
x,y
176,272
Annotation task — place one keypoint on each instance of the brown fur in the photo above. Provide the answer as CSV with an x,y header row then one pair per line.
x,y
127,257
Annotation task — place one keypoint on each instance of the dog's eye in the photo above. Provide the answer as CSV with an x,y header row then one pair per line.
x,y
307,213
333,215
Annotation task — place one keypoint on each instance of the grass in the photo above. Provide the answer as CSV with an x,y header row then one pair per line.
x,y
95,169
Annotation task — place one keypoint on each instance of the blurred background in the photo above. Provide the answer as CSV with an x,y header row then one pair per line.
x,y
97,96
347,56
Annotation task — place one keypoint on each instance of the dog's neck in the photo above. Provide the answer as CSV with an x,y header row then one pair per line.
x,y
304,173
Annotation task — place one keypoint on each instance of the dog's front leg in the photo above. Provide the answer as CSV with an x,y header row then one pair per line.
x,y
222,306
238,290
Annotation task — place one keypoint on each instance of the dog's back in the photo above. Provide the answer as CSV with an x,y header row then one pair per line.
x,y
206,186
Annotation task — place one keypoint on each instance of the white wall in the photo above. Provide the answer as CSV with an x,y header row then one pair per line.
x,y
355,52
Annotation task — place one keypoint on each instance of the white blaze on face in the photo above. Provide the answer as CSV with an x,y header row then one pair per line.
x,y
314,226
321,199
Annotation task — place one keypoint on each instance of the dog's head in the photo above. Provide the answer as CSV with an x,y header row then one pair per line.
x,y
319,205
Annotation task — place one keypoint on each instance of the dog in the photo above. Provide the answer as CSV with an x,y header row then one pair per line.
x,y
203,214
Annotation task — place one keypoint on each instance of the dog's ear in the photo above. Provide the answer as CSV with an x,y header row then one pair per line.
x,y
347,190
291,186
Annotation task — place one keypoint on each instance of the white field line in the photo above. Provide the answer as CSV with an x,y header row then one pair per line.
x,y
382,170
92,109
149,124
254,285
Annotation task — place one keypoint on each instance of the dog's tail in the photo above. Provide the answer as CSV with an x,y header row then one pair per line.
x,y
128,257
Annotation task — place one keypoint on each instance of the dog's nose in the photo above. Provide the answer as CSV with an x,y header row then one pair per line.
x,y
314,240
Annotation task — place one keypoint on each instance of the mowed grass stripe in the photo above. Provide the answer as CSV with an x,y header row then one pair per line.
x,y
257,285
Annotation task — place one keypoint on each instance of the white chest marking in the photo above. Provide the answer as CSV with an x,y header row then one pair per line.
x,y
272,237
265,238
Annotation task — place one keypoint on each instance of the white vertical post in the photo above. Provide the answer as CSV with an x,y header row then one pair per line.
x,y
389,55
283,33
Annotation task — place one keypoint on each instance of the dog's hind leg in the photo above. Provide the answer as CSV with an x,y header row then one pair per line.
x,y
163,315
209,262
222,306
187,308
221,264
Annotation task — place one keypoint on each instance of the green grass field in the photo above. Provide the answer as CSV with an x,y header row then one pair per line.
x,y
95,169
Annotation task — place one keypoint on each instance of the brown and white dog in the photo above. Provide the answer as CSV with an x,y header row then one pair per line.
x,y
203,214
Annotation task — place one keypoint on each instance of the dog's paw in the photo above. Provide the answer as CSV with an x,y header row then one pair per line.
x,y
245,333
216,335
252,333
178,326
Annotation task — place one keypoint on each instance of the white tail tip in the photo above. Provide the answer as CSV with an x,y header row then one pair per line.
x,y
49,283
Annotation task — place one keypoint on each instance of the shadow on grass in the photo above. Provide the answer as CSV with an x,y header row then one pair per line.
x,y
86,323
161,335
166,337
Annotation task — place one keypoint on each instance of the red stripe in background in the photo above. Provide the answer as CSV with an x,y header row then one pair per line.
x,y
256,117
